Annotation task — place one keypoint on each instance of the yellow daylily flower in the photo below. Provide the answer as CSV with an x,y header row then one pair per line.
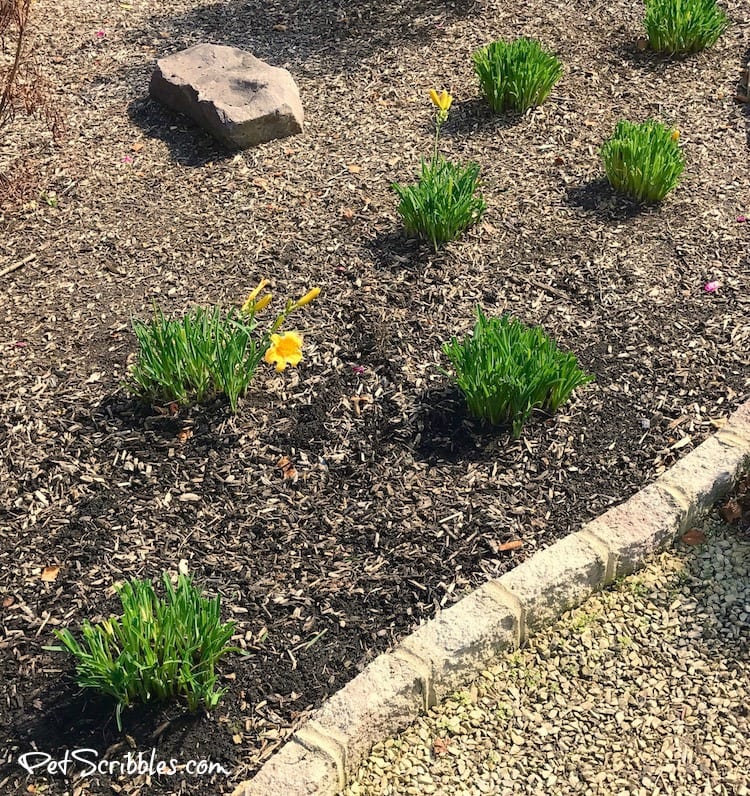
x,y
441,101
311,295
250,303
285,349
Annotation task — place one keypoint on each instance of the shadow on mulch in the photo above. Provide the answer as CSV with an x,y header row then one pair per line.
x,y
317,38
72,717
600,199
132,414
474,116
79,716
396,252
648,60
444,430
393,251
188,144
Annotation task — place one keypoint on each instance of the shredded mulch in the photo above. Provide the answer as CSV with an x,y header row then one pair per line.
x,y
351,498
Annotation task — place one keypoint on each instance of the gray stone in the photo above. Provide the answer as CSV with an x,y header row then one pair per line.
x,y
706,474
383,699
556,579
462,639
638,528
237,98
294,771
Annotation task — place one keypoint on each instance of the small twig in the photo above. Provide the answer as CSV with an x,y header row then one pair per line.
x,y
307,644
159,731
540,285
16,266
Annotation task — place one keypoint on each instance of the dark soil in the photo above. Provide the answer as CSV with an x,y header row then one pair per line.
x,y
400,501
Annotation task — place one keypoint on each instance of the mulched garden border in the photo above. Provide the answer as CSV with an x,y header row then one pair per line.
x,y
352,498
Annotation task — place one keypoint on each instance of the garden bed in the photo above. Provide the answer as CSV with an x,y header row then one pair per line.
x,y
352,497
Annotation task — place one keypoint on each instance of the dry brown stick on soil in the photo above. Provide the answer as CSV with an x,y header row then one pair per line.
x,y
16,266
540,285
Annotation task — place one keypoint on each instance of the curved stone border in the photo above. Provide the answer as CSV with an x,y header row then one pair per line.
x,y
445,653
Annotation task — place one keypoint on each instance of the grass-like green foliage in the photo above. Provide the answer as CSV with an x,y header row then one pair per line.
x,y
516,75
158,649
643,161
506,369
191,359
683,26
444,203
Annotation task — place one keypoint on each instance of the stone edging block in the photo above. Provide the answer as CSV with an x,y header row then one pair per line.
x,y
293,770
556,579
446,652
637,528
383,699
708,472
463,639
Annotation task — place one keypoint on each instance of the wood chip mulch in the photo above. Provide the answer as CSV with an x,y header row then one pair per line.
x,y
351,498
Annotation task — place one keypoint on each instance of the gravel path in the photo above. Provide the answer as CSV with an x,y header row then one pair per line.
x,y
643,690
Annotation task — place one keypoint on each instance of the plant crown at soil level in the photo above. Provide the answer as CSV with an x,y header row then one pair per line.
x,y
505,370
158,649
643,161
516,75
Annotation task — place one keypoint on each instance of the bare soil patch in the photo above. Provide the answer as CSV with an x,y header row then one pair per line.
x,y
401,501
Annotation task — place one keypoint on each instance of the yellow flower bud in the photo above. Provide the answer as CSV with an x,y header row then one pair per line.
x,y
441,101
250,304
262,303
255,291
311,295
675,135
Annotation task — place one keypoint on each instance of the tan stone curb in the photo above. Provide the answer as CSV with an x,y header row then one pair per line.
x,y
448,651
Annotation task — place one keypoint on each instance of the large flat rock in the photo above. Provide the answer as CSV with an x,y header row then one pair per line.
x,y
237,98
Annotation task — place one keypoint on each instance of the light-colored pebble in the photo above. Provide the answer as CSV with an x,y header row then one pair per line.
x,y
642,690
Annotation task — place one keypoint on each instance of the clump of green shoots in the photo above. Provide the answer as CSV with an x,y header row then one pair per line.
x,y
159,648
444,203
643,161
208,352
683,26
516,75
505,370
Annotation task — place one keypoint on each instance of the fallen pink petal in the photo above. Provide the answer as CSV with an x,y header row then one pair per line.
x,y
711,287
741,219
100,34
127,159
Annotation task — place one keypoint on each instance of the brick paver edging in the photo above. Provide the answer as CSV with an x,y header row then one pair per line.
x,y
444,654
